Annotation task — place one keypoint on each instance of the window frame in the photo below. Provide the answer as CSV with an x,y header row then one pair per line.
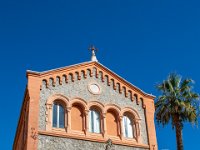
x,y
102,110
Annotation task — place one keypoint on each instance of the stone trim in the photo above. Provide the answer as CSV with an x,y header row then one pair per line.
x,y
96,138
49,104
84,70
103,109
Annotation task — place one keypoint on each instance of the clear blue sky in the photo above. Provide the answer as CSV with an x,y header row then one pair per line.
x,y
140,40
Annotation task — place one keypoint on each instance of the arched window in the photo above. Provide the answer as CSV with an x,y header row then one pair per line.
x,y
94,121
112,123
77,118
58,116
127,126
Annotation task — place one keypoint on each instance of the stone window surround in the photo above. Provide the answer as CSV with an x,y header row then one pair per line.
x,y
130,116
103,136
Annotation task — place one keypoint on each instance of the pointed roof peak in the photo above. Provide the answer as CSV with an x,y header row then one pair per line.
x,y
93,49
88,65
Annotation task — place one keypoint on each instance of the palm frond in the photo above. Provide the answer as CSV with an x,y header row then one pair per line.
x,y
177,99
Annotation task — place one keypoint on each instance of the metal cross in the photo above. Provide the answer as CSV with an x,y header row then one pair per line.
x,y
93,49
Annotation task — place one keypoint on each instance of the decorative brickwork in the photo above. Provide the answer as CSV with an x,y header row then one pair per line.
x,y
79,88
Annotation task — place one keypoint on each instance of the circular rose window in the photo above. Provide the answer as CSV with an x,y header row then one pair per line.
x,y
94,88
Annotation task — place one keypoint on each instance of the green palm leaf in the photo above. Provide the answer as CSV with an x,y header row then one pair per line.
x,y
177,104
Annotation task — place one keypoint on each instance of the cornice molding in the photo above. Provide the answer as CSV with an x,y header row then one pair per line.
x,y
82,70
116,141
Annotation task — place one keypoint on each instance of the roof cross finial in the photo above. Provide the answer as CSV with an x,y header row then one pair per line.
x,y
93,49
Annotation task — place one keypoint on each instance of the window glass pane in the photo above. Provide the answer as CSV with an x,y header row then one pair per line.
x,y
54,115
61,117
94,121
124,133
130,128
127,127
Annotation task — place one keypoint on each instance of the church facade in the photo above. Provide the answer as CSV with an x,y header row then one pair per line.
x,y
84,107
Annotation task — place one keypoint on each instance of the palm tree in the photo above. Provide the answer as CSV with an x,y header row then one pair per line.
x,y
177,104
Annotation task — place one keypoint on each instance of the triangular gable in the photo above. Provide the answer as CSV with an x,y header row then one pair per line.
x,y
92,68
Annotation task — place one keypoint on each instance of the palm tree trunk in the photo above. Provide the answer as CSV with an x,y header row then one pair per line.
x,y
179,139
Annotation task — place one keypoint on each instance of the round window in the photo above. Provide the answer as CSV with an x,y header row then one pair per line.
x,y
94,88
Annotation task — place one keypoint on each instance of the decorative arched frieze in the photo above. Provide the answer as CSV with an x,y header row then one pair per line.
x,y
64,78
71,77
125,91
44,83
70,74
120,88
89,72
142,101
136,99
84,73
52,81
95,72
102,76
130,94
132,97
117,87
107,79
55,81
113,83
79,74
58,80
